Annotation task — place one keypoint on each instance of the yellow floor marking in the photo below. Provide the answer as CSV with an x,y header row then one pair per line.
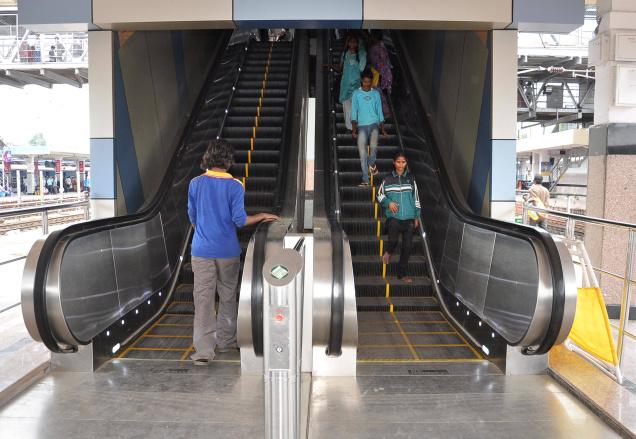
x,y
254,132
165,336
262,91
243,181
387,290
256,121
246,170
186,353
372,180
406,338
375,213
475,351
160,349
373,194
390,307
384,270
146,332
388,346
260,103
379,227
426,360
407,333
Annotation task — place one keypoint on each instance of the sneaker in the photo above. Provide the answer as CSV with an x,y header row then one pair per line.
x,y
386,257
202,361
373,170
364,184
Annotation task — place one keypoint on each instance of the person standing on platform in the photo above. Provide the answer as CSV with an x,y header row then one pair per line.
x,y
367,120
352,63
216,209
400,199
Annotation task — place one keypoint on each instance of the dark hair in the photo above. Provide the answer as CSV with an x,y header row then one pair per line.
x,y
220,154
367,74
399,154
538,179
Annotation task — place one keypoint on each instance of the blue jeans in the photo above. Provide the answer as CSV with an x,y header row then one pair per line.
x,y
367,135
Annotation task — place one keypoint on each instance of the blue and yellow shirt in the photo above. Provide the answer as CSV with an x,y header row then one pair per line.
x,y
216,208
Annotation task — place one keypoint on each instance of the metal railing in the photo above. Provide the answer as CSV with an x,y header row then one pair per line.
x,y
26,47
571,219
43,213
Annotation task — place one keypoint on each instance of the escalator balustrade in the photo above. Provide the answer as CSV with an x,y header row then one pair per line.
x,y
254,126
397,321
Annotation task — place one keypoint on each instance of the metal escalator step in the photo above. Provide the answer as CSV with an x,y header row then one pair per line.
x,y
155,355
263,121
259,76
353,178
259,156
414,339
254,101
260,184
390,327
432,353
347,139
353,165
358,210
262,61
341,127
255,170
371,245
375,286
250,111
388,353
260,68
273,84
164,342
256,92
359,226
260,143
372,266
259,199
351,151
268,132
182,306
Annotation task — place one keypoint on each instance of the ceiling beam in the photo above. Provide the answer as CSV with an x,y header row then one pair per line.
x,y
28,78
61,79
12,82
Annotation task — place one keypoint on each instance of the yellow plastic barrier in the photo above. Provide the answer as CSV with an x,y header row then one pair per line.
x,y
536,216
591,329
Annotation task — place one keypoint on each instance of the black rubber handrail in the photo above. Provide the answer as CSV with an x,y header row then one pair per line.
x,y
81,229
460,208
261,233
332,197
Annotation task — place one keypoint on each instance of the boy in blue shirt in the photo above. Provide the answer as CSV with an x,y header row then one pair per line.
x,y
216,209
367,120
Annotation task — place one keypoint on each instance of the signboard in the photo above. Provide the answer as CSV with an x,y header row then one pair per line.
x,y
81,166
58,166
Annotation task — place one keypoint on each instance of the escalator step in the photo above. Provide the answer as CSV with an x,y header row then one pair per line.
x,y
260,143
351,152
263,121
253,102
270,132
352,165
372,266
255,170
256,92
250,111
365,245
257,156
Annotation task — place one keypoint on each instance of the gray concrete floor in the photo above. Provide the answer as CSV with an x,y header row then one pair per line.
x,y
174,399
417,402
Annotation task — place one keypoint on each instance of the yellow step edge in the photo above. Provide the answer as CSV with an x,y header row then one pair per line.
x,y
388,290
247,170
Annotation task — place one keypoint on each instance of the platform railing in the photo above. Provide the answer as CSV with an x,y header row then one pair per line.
x,y
627,279
43,213
26,47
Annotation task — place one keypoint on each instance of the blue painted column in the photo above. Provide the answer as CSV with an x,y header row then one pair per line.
x,y
504,124
103,176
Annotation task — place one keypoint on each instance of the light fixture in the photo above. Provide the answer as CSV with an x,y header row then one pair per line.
x,y
116,348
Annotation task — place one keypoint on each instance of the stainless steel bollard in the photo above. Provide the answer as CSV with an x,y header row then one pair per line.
x,y
282,337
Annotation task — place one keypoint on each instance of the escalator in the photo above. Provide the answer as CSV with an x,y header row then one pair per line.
x,y
479,285
124,284
398,322
254,125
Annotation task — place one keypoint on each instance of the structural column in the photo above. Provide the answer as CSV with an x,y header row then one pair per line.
x,y
504,124
101,104
612,150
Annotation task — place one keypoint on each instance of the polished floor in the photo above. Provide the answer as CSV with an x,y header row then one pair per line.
x,y
173,399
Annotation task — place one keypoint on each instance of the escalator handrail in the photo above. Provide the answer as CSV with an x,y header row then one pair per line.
x,y
65,236
459,207
261,235
338,236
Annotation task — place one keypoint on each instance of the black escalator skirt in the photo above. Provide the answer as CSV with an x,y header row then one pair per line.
x,y
397,321
254,126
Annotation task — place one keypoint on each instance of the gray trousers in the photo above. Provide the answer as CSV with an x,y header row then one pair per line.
x,y
211,276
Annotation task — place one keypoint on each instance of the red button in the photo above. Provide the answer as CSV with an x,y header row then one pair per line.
x,y
279,317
